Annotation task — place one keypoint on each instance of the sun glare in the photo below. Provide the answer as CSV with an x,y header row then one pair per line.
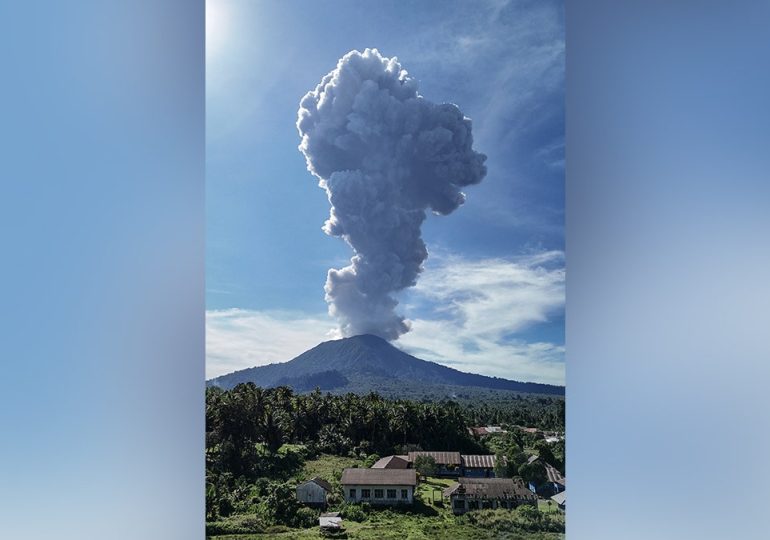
x,y
217,19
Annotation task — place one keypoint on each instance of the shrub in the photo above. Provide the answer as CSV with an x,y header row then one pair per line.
x,y
524,518
277,529
529,513
236,525
425,465
353,512
280,505
306,518
370,460
334,498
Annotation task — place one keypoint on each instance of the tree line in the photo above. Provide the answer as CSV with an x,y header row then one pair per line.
x,y
249,429
239,420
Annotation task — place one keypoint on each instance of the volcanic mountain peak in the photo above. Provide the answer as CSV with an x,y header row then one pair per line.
x,y
364,363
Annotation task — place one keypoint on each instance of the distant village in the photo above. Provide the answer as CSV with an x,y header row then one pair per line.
x,y
393,480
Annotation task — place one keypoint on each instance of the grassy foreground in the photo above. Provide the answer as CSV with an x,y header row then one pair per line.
x,y
407,527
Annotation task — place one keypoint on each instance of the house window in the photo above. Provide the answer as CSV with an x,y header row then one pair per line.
x,y
391,494
365,493
459,504
353,493
378,494
404,493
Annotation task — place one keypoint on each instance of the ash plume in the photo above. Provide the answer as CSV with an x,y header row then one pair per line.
x,y
384,155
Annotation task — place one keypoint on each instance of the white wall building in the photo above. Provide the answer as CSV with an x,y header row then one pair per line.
x,y
379,486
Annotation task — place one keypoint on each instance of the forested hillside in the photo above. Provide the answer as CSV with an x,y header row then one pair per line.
x,y
368,363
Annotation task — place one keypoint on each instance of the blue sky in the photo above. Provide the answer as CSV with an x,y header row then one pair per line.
x,y
491,299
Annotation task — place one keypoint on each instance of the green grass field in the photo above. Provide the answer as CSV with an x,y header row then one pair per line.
x,y
328,467
546,508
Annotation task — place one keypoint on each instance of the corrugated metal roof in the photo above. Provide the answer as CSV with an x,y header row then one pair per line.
x,y
554,475
380,477
492,488
560,498
442,458
391,462
479,461
320,481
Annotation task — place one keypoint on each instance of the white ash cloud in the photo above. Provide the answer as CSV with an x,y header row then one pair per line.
x,y
385,156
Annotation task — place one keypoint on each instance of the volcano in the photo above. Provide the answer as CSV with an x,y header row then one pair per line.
x,y
366,363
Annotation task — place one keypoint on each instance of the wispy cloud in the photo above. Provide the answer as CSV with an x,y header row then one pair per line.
x,y
471,313
467,314
239,338
492,297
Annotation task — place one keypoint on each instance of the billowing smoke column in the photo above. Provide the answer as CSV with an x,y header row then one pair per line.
x,y
384,155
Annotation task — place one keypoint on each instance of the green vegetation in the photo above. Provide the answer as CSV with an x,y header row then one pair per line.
x,y
425,465
261,442
429,492
547,506
329,467
392,525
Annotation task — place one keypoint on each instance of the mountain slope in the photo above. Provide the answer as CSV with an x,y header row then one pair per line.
x,y
364,363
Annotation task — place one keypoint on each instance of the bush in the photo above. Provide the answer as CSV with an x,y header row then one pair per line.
x,y
277,529
280,506
334,498
496,520
370,460
306,518
524,518
236,525
425,465
353,512
529,514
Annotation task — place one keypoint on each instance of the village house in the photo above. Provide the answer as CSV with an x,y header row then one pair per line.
x,y
478,466
481,493
314,491
481,431
555,481
379,486
392,462
530,430
448,463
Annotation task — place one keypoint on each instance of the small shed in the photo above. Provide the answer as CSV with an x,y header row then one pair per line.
x,y
330,520
561,500
314,491
555,483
